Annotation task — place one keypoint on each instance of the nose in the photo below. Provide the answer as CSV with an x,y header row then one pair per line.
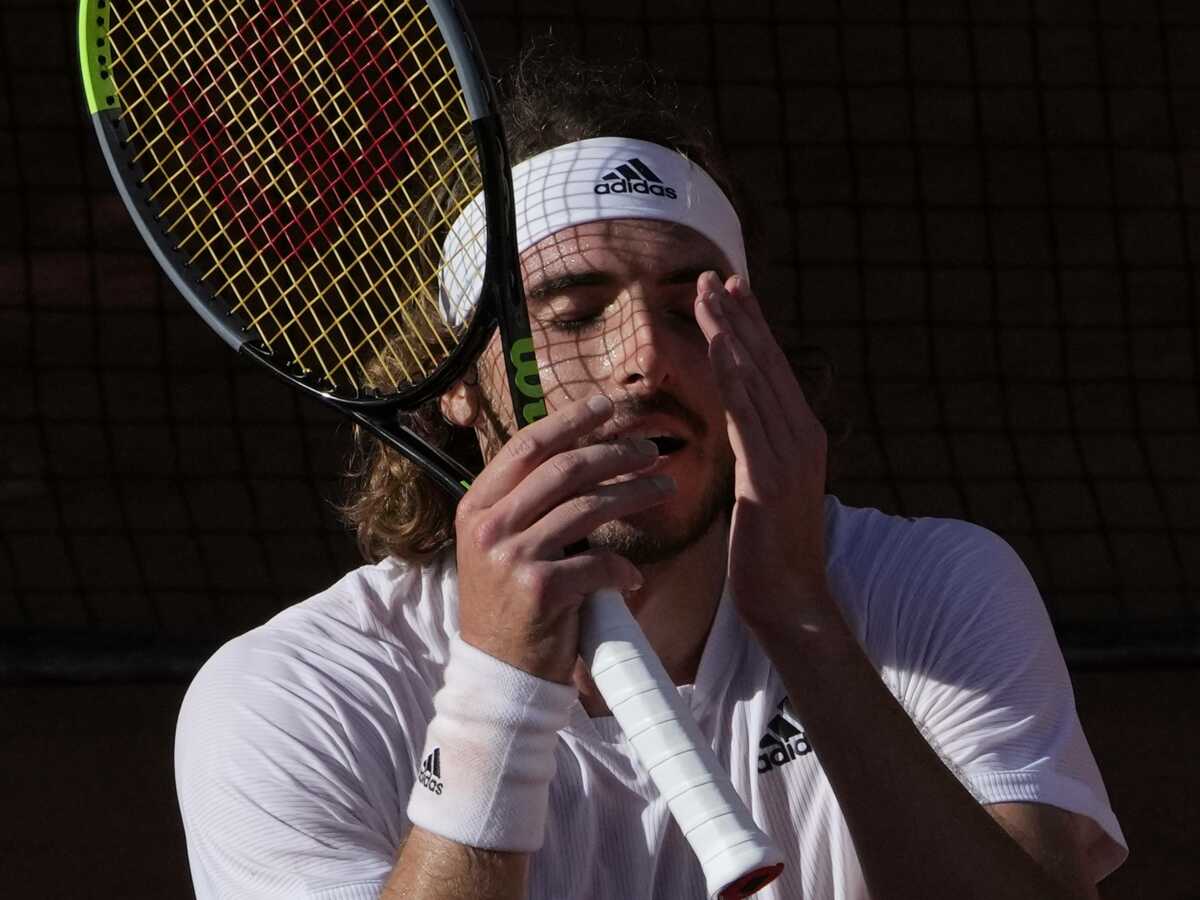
x,y
639,350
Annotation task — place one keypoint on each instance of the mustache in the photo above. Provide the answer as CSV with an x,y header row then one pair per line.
x,y
628,411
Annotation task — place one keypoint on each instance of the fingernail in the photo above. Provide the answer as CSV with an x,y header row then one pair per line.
x,y
710,300
599,404
645,446
664,483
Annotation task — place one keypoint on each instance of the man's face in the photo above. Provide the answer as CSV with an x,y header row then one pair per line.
x,y
611,309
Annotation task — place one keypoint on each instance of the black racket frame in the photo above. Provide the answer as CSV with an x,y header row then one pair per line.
x,y
501,304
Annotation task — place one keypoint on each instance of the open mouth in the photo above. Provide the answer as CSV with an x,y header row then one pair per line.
x,y
666,444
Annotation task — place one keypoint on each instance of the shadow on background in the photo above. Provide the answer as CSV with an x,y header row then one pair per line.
x,y
985,211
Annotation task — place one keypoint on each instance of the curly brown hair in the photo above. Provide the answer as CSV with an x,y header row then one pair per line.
x,y
547,100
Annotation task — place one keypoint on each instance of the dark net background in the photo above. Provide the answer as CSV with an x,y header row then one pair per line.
x,y
985,211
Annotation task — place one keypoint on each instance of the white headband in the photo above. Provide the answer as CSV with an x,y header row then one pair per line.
x,y
588,181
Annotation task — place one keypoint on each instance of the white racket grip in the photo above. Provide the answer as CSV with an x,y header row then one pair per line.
x,y
737,857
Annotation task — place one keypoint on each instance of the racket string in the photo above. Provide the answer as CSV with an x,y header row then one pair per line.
x,y
295,154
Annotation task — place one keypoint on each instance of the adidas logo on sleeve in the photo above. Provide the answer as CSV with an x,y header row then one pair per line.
x,y
784,741
634,177
430,773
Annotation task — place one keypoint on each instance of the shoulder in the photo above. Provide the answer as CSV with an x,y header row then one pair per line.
x,y
953,621
300,732
881,558
889,544
920,590
381,628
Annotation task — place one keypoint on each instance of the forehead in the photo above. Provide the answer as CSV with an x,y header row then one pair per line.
x,y
626,245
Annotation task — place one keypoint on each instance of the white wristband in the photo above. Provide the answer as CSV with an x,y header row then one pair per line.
x,y
484,776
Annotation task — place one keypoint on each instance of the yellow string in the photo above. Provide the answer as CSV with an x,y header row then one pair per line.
x,y
364,290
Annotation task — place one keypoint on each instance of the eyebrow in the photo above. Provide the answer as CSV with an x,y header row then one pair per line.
x,y
548,287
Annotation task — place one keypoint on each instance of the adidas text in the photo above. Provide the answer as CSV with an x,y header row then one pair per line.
x,y
429,775
783,742
782,753
625,186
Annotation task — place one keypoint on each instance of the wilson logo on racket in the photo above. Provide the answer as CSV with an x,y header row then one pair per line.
x,y
634,177
320,148
784,741
526,381
430,774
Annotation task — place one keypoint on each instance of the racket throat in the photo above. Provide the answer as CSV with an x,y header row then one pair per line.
x,y
502,277
524,383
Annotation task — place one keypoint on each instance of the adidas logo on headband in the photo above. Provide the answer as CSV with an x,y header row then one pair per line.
x,y
633,177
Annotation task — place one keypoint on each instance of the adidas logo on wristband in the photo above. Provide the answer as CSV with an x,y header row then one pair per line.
x,y
634,177
430,774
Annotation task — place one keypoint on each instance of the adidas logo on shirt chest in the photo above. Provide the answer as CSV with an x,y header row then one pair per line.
x,y
783,743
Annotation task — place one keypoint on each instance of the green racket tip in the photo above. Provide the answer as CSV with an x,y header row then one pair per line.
x,y
95,56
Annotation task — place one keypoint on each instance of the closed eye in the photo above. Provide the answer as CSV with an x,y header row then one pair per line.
x,y
582,323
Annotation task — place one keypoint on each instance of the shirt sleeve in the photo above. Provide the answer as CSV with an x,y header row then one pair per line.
x,y
293,767
964,641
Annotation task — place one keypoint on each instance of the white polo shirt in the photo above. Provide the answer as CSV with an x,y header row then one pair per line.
x,y
298,742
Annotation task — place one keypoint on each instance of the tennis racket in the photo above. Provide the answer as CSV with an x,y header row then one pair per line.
x,y
295,168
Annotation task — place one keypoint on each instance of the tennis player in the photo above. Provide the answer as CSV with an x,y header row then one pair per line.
x,y
886,693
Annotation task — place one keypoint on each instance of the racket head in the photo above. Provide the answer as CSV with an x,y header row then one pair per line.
x,y
294,168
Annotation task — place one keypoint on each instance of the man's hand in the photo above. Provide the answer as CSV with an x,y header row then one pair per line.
x,y
519,596
777,535
777,555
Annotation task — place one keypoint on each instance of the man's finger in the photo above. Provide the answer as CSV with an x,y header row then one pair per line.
x,y
567,474
576,518
789,394
533,445
747,437
593,570
745,391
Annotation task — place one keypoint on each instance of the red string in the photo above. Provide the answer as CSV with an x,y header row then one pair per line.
x,y
330,175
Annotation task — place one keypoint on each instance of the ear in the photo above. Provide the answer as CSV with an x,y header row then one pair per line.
x,y
460,404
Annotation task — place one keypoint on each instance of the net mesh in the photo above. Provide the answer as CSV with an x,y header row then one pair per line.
x,y
985,211
300,155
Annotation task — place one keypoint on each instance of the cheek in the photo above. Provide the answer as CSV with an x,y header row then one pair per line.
x,y
572,368
493,383
491,365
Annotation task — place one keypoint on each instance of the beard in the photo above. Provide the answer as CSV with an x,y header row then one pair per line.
x,y
647,544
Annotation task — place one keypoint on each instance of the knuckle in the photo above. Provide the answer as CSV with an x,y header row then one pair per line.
x,y
523,446
568,466
465,525
462,519
536,581
574,420
586,504
483,533
469,503
465,511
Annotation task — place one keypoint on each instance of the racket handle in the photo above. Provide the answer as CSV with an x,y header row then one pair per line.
x,y
737,858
